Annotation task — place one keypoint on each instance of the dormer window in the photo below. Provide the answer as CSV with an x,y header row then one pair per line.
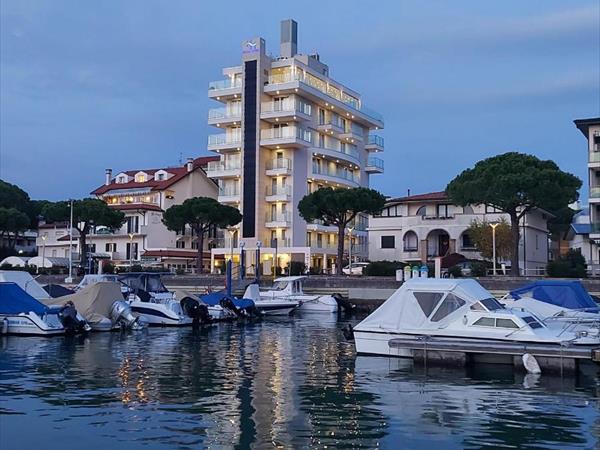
x,y
140,177
121,179
160,175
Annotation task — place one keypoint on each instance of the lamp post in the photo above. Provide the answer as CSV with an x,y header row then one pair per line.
x,y
258,245
232,233
350,230
131,235
69,279
44,237
494,225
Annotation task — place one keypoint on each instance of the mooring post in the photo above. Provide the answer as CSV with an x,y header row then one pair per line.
x,y
228,277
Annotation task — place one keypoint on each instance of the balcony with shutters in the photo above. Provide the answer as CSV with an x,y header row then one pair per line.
x,y
374,165
290,136
278,193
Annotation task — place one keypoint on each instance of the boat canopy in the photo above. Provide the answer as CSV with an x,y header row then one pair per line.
x,y
26,282
93,302
564,293
287,279
147,281
214,299
425,303
14,300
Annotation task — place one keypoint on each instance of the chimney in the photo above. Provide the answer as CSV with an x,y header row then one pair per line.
x,y
108,177
190,164
289,38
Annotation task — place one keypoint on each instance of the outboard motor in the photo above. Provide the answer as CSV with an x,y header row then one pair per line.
x,y
192,308
343,303
348,332
227,303
69,320
120,313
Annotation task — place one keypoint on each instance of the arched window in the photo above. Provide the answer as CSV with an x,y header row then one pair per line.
x,y
411,241
468,209
422,211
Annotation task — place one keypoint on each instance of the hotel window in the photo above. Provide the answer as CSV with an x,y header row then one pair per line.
x,y
308,240
319,240
422,211
467,242
140,178
131,252
122,179
160,176
490,209
411,242
133,224
443,211
180,244
321,140
388,242
110,247
321,116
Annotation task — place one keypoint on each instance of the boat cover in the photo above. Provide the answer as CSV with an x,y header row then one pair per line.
x,y
214,298
404,311
93,302
14,300
563,293
26,282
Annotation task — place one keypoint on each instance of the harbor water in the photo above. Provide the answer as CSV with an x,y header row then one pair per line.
x,y
278,383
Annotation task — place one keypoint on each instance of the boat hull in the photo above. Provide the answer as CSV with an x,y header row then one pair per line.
x,y
158,314
29,324
275,308
323,304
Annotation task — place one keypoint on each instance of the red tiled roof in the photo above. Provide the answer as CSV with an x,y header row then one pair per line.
x,y
173,254
177,172
136,207
431,196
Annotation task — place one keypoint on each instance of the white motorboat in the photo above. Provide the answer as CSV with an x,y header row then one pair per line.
x,y
290,289
22,314
102,305
150,299
560,304
455,310
270,305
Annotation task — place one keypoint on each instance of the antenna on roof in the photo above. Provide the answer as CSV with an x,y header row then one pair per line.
x,y
180,158
408,194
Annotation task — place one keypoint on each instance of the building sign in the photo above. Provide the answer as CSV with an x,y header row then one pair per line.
x,y
250,46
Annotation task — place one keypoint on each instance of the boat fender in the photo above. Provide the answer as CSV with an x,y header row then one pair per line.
x,y
348,332
530,363
5,325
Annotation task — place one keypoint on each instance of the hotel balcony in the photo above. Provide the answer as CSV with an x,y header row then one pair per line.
x,y
224,90
319,225
374,143
223,141
594,160
229,195
224,116
278,167
224,169
321,91
281,220
353,133
595,230
290,136
278,193
594,194
374,165
331,128
349,154
285,111
336,176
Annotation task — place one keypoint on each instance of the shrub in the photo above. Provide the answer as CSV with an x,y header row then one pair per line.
x,y
383,268
455,271
478,269
179,272
296,268
108,267
315,271
571,265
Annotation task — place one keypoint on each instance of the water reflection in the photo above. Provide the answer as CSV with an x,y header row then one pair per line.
x,y
289,383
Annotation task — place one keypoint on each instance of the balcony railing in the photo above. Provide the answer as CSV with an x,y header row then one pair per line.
x,y
375,140
279,163
224,84
323,86
280,242
215,166
287,105
278,190
222,139
224,113
595,156
280,217
229,191
347,149
595,227
286,133
338,173
375,162
595,192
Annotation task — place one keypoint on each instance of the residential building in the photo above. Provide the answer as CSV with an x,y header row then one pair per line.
x,y
287,129
578,238
23,243
143,196
418,228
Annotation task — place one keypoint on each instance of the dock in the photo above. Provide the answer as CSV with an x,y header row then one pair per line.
x,y
442,351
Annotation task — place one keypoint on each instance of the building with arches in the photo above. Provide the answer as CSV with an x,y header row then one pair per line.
x,y
418,228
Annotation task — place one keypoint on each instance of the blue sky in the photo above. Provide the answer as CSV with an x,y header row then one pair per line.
x,y
90,85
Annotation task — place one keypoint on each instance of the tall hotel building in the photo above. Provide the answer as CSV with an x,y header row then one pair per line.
x,y
591,130
287,129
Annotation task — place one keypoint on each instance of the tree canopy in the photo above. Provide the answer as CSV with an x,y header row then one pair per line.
x,y
87,213
201,214
515,183
481,235
339,207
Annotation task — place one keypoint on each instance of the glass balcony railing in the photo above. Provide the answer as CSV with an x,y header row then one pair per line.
x,y
229,191
375,140
595,156
337,173
223,138
595,192
346,149
280,217
323,86
278,190
375,162
224,84
224,113
289,106
279,163
595,227
286,133
217,166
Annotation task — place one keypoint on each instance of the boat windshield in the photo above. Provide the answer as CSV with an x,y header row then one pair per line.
x,y
279,285
155,284
532,322
491,304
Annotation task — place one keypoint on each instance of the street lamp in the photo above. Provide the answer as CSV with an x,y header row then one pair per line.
x,y
131,236
44,237
69,279
494,225
232,233
350,230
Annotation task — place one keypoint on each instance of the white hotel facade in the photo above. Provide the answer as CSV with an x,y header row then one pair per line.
x,y
286,129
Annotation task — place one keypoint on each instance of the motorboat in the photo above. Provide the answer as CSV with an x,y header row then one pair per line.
x,y
290,289
150,299
270,305
563,304
456,311
96,278
22,314
222,305
103,307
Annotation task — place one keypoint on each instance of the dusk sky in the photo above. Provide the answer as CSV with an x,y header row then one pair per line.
x,y
86,86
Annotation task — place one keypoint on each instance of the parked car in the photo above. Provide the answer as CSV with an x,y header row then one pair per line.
x,y
355,268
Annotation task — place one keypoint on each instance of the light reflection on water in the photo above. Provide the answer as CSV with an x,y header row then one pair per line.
x,y
285,383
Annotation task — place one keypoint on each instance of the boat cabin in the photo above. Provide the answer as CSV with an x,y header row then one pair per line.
x,y
289,285
150,282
